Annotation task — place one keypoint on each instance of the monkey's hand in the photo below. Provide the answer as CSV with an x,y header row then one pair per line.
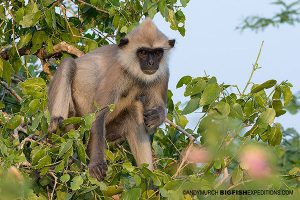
x,y
55,123
98,170
154,117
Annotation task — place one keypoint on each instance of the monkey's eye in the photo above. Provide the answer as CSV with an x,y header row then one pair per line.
x,y
159,54
142,54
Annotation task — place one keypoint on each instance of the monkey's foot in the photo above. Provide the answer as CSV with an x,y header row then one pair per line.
x,y
55,123
98,170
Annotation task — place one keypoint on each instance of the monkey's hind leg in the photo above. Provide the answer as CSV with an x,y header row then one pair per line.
x,y
59,93
140,145
97,166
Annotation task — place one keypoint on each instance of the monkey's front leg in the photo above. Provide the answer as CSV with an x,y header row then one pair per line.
x,y
97,166
154,117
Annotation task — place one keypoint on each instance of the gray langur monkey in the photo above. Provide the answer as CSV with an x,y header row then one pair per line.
x,y
133,75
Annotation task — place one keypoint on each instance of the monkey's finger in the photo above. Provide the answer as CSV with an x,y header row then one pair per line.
x,y
97,174
150,112
152,116
152,123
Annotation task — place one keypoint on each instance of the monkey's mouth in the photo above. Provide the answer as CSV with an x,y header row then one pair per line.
x,y
149,71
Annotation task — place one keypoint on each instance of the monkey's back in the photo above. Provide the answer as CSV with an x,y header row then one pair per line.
x,y
101,64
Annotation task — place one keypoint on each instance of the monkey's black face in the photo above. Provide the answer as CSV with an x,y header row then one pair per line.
x,y
149,59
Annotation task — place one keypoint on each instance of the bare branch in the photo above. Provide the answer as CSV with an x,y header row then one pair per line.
x,y
54,186
191,138
12,91
42,54
63,46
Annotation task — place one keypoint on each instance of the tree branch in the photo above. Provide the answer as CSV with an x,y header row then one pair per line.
x,y
63,46
42,54
191,138
12,91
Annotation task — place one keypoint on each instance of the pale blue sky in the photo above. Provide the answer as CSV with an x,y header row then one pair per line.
x,y
212,44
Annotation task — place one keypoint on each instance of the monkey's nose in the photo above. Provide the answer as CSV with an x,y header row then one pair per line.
x,y
151,62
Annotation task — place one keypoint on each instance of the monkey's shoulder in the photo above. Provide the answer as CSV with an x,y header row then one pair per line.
x,y
107,51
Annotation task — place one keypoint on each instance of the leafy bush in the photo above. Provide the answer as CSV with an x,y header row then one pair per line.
x,y
237,142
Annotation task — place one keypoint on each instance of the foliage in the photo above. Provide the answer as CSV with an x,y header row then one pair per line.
x,y
231,122
289,14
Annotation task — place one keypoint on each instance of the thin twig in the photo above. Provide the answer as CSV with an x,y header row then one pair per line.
x,y
54,186
191,138
254,68
99,9
185,157
12,91
225,176
191,142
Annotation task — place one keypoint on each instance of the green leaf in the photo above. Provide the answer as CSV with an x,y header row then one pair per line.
x,y
222,110
128,166
38,39
2,105
210,94
137,179
116,21
60,166
50,18
111,107
77,181
275,135
277,104
181,120
90,45
7,70
124,29
34,106
36,121
36,155
277,93
196,86
112,190
34,87
236,111
65,178
217,164
260,98
132,194
24,40
171,19
156,180
31,17
191,106
88,120
267,117
1,67
265,85
184,2
294,171
184,81
2,13
81,151
66,146
14,122
287,94
72,120
237,175
43,162
162,7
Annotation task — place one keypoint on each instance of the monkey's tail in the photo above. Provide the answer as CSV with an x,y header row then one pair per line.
x,y
59,93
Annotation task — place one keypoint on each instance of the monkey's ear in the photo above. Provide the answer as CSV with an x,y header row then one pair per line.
x,y
123,42
172,43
